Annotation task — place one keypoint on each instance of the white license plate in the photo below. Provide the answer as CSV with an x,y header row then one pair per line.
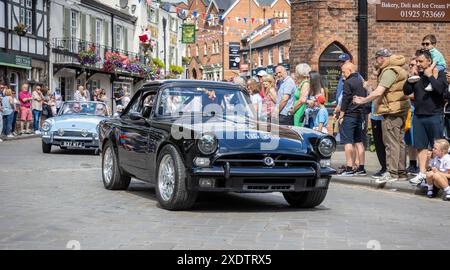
x,y
73,144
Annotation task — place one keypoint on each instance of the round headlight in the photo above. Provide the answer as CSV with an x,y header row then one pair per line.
x,y
61,132
326,146
46,126
84,132
207,144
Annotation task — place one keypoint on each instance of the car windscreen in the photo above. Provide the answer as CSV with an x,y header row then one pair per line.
x,y
178,101
86,108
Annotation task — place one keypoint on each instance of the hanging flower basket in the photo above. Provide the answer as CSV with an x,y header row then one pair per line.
x,y
113,61
21,29
89,56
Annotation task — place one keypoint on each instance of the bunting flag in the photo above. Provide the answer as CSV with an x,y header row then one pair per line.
x,y
195,14
245,20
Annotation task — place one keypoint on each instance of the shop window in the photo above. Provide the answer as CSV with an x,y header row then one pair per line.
x,y
330,69
14,82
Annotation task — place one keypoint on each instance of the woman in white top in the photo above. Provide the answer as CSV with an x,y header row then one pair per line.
x,y
82,95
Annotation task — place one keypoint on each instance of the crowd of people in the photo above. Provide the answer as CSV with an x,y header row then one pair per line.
x,y
405,110
296,100
407,113
33,108
30,108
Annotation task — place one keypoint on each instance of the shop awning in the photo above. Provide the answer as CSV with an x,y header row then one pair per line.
x,y
13,65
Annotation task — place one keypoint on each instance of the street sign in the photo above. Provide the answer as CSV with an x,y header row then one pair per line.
x,y
234,58
188,34
414,11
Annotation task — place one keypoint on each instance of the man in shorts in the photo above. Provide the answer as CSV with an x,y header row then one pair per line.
x,y
429,108
26,117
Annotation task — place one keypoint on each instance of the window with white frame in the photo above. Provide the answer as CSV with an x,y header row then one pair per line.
x,y
98,31
14,82
260,57
118,37
217,47
189,51
271,56
205,51
173,24
152,14
280,53
74,23
26,14
172,55
197,51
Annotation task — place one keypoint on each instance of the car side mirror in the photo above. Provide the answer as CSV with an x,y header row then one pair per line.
x,y
135,116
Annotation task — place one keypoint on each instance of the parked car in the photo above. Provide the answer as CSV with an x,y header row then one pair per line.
x,y
75,126
188,136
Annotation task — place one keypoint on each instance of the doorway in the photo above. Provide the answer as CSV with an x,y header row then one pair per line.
x,y
330,69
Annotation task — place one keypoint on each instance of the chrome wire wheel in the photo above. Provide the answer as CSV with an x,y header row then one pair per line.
x,y
166,177
108,165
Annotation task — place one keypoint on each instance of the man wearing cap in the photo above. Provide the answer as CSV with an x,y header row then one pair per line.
x,y
342,59
393,105
285,97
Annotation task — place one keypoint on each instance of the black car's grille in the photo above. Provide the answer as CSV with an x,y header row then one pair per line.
x,y
258,160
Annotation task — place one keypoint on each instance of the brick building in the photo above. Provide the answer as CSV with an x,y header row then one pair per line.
x,y
220,27
269,48
323,29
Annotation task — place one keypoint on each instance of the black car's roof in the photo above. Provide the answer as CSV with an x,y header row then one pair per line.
x,y
192,83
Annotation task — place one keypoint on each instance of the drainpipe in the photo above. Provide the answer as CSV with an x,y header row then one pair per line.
x,y
113,46
362,38
49,71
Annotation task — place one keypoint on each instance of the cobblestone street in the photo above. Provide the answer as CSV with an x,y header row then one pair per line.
x,y
49,199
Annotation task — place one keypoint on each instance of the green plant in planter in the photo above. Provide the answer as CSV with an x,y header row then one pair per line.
x,y
21,29
176,69
186,60
158,62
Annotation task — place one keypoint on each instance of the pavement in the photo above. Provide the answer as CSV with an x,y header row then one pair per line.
x,y
20,137
371,166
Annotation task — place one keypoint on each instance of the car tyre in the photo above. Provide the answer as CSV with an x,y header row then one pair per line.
x,y
171,186
113,178
46,148
305,199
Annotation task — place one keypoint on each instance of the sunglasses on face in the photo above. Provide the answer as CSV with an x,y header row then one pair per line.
x,y
426,43
412,65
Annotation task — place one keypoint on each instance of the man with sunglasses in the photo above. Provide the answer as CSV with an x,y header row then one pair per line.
x,y
429,108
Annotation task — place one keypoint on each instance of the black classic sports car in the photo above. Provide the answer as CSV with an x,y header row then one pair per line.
x,y
191,136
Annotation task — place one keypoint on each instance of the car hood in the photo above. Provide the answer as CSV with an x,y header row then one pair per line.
x,y
235,136
88,122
